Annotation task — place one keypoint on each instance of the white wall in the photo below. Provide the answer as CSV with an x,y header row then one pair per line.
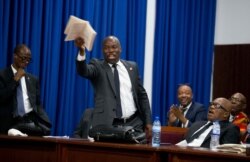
x,y
149,48
232,22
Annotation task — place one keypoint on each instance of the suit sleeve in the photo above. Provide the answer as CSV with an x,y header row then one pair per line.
x,y
7,87
87,70
231,135
143,100
41,113
200,115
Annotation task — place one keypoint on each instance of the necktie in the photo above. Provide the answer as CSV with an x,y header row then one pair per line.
x,y
117,87
20,103
199,132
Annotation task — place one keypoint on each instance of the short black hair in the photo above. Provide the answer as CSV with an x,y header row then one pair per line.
x,y
19,47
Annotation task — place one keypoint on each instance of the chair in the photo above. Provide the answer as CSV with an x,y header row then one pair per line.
x,y
82,129
172,135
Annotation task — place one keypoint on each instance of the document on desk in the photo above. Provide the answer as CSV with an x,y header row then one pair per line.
x,y
234,148
62,137
77,27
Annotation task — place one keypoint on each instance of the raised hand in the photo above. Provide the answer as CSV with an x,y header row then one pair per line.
x,y
19,74
79,42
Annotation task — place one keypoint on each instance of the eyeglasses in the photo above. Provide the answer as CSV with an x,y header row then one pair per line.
x,y
23,58
217,106
236,100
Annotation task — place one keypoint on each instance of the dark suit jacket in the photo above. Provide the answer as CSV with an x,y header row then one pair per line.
x,y
8,103
196,112
101,76
82,129
229,133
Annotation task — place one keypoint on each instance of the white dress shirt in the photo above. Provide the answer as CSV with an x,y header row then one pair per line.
x,y
127,101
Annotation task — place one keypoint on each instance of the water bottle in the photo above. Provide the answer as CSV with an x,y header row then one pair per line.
x,y
156,132
215,135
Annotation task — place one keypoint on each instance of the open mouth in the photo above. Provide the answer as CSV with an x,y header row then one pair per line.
x,y
111,57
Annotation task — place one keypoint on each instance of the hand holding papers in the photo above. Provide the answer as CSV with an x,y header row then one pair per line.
x,y
80,28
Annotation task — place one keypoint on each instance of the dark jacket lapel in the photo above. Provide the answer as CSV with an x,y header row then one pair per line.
x,y
110,75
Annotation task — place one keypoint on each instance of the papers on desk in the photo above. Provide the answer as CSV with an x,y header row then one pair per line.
x,y
15,132
233,148
77,27
63,137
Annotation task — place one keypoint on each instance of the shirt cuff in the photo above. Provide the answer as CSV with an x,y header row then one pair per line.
x,y
186,124
81,58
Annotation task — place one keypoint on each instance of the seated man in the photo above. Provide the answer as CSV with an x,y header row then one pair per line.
x,y
20,105
219,110
188,112
238,117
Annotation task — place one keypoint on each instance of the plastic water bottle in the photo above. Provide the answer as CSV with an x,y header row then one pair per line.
x,y
156,132
215,135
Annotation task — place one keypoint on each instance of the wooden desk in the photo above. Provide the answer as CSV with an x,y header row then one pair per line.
x,y
78,151
38,149
188,154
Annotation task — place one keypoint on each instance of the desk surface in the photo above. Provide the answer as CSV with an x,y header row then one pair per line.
x,y
30,149
190,154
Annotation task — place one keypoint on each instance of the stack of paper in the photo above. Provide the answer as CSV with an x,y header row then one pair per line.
x,y
15,132
234,148
80,28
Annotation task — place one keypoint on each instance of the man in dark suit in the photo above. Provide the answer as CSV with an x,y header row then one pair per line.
x,y
133,100
219,110
20,105
188,111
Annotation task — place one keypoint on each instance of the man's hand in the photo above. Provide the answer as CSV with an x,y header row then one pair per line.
x,y
148,131
171,118
178,114
79,42
19,74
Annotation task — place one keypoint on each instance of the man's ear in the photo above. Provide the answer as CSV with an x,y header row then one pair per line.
x,y
226,114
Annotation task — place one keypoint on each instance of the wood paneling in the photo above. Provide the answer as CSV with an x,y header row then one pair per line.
x,y
232,71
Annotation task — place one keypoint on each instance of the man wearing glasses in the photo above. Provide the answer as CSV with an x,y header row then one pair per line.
x,y
20,105
219,110
238,115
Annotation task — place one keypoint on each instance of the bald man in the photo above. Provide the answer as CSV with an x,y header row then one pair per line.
x,y
219,110
238,116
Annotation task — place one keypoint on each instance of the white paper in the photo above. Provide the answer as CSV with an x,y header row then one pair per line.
x,y
182,143
235,148
15,132
77,27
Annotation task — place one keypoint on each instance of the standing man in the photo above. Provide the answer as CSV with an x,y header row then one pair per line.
x,y
20,105
131,107
188,111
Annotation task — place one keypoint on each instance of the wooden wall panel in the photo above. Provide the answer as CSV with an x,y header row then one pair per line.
x,y
232,71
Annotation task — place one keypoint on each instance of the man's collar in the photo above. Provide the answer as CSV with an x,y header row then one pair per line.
x,y
188,106
13,69
118,63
